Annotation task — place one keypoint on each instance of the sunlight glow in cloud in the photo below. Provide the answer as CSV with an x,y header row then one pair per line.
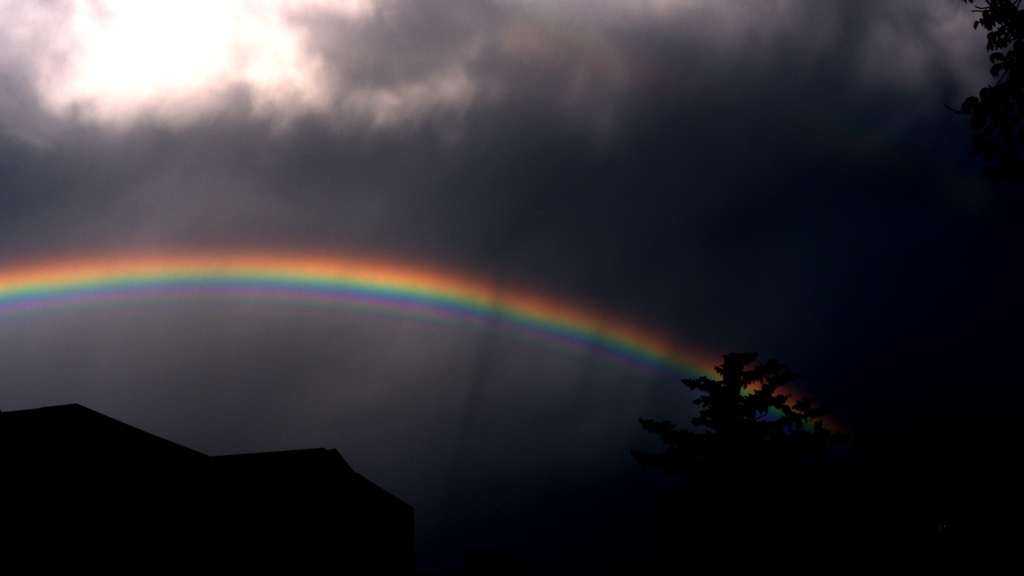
x,y
116,60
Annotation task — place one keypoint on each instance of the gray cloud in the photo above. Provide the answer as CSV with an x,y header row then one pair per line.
x,y
393,65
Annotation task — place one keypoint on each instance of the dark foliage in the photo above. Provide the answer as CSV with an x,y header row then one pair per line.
x,y
996,113
745,476
750,428
933,488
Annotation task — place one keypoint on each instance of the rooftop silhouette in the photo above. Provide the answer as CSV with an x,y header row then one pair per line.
x,y
82,488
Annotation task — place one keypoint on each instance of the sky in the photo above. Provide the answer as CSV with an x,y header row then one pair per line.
x,y
778,176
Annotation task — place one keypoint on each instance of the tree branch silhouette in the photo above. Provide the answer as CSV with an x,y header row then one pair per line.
x,y
750,428
997,116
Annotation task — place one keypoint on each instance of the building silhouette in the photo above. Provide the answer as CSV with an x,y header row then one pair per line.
x,y
80,488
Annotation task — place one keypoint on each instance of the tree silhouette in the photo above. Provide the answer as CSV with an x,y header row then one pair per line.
x,y
750,428
996,112
745,479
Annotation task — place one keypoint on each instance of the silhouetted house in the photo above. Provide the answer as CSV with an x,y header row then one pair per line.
x,y
79,488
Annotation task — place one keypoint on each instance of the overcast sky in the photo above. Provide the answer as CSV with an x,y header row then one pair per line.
x,y
778,176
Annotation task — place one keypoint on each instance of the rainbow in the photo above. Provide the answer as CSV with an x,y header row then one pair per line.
x,y
347,283
363,285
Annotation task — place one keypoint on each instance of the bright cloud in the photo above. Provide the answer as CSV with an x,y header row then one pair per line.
x,y
116,60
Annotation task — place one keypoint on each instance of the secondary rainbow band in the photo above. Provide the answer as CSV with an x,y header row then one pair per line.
x,y
351,283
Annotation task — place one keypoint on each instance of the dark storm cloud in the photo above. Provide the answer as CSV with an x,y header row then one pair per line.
x,y
777,176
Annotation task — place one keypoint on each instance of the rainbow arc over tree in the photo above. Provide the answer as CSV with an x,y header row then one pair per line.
x,y
371,286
